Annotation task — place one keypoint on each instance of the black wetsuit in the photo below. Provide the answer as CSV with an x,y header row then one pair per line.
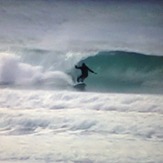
x,y
84,70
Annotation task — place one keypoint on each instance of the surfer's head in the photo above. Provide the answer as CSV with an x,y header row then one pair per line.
x,y
83,64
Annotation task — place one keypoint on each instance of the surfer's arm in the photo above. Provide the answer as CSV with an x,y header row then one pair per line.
x,y
77,67
92,71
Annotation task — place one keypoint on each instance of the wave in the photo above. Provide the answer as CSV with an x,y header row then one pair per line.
x,y
118,71
124,71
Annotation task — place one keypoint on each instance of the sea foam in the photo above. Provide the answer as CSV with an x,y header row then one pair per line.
x,y
14,71
37,125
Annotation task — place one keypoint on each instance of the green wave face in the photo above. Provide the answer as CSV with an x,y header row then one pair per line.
x,y
125,71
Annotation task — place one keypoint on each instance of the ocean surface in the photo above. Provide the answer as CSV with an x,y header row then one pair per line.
x,y
117,118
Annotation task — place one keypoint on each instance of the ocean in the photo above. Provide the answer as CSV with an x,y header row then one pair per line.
x,y
117,118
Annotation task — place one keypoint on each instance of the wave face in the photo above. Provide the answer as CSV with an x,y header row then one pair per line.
x,y
125,71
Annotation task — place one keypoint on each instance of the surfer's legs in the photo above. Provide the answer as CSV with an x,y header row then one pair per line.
x,y
81,78
78,79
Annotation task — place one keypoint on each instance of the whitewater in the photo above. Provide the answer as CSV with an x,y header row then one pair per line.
x,y
117,118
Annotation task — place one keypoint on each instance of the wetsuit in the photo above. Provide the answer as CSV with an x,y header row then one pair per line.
x,y
84,72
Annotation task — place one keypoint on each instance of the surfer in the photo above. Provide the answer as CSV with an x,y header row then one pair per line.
x,y
84,72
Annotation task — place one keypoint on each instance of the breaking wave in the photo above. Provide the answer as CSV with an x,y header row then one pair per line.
x,y
118,71
13,71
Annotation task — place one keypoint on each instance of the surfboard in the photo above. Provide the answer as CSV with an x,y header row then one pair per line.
x,y
80,86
